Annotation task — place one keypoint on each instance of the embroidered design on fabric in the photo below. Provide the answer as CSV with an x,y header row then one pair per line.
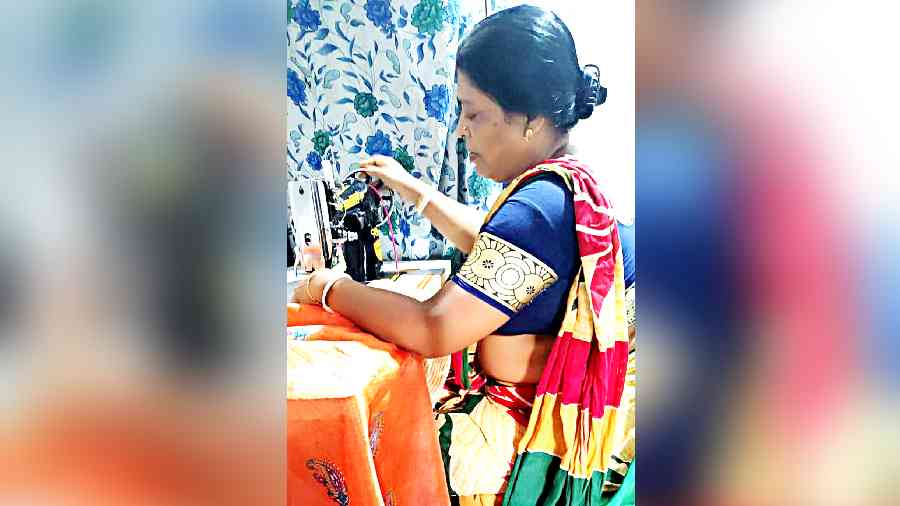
x,y
630,310
331,477
375,431
506,273
389,500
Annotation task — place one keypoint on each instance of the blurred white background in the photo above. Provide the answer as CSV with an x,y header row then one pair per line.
x,y
604,36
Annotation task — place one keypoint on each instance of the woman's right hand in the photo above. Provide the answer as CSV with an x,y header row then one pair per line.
x,y
392,174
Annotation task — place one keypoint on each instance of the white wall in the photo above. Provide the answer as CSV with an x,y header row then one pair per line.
x,y
604,35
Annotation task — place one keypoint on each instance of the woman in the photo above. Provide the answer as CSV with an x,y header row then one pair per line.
x,y
543,412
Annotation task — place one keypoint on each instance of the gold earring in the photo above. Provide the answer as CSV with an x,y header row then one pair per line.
x,y
528,134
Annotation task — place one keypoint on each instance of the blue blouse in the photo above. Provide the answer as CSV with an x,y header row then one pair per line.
x,y
526,257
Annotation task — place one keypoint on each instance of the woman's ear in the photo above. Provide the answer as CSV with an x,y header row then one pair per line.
x,y
533,126
537,123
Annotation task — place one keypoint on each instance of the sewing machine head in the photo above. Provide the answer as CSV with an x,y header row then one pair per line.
x,y
341,223
312,215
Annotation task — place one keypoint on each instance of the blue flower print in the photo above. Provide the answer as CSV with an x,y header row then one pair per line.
x,y
479,188
404,227
437,99
308,19
296,88
429,16
314,160
453,11
365,104
379,144
321,141
456,17
379,13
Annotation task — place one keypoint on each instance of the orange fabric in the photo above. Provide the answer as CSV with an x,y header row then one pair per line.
x,y
312,314
337,328
375,447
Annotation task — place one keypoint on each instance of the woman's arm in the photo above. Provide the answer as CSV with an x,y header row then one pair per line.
x,y
456,221
448,322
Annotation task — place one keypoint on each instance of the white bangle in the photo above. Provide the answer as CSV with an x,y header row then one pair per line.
x,y
423,201
328,286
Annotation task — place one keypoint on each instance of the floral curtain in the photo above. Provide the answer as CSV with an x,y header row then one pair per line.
x,y
369,77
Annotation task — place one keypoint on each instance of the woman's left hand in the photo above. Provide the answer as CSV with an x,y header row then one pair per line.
x,y
309,291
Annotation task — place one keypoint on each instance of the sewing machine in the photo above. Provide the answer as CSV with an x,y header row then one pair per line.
x,y
337,224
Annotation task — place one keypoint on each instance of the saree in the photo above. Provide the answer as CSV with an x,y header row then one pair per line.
x,y
570,438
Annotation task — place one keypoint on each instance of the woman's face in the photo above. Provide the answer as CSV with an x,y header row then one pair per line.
x,y
495,139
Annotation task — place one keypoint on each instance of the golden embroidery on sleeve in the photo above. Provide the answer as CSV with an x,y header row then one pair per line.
x,y
505,273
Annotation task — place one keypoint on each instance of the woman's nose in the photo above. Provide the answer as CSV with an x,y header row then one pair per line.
x,y
461,130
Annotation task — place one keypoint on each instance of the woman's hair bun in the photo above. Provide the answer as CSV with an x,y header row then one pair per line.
x,y
590,92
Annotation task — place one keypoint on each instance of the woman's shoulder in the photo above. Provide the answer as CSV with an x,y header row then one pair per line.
x,y
538,209
545,187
